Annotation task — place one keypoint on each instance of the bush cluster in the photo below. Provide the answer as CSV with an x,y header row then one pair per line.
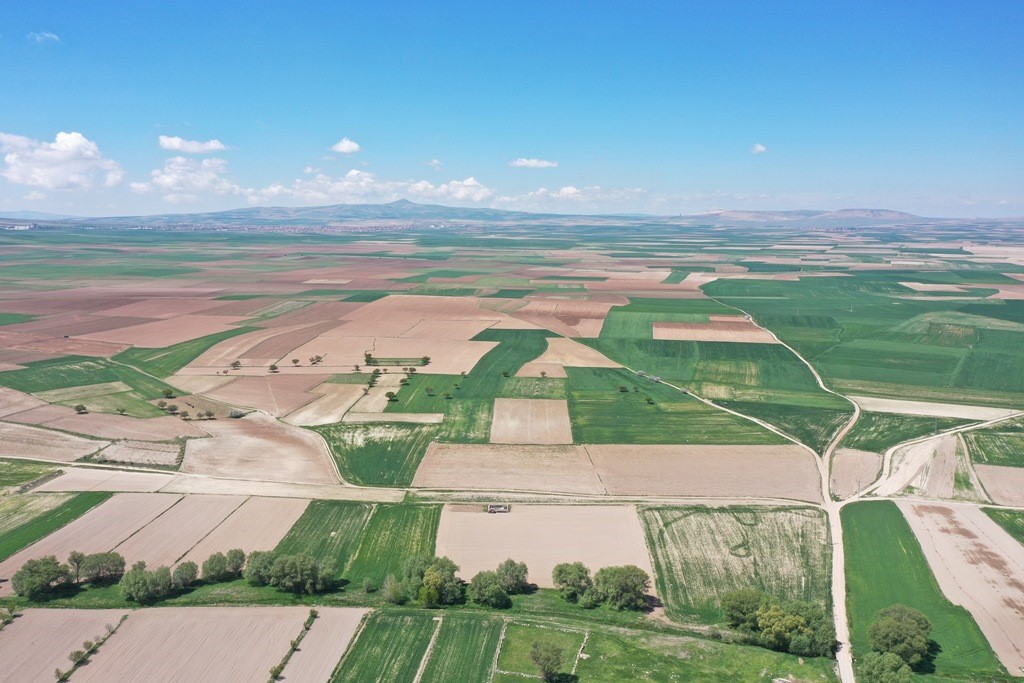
x,y
899,638
293,573
427,581
38,579
797,627
146,586
493,588
621,588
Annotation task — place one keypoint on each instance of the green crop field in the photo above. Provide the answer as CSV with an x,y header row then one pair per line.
x,y
600,413
393,534
390,647
464,650
811,425
885,566
515,648
534,387
166,361
877,432
43,525
75,371
13,318
1011,520
18,472
996,447
701,553
328,530
379,454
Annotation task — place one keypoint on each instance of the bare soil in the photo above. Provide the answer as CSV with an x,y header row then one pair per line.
x,y
324,644
531,421
275,394
330,407
257,524
96,479
853,470
888,405
736,330
1005,485
166,332
40,640
22,441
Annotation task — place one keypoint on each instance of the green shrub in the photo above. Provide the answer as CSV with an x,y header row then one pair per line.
x,y
485,589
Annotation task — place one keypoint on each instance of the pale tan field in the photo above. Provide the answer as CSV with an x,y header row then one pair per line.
x,y
197,384
1005,485
16,509
448,329
736,330
141,453
531,421
910,465
569,353
323,646
40,640
409,418
12,401
920,287
333,402
71,393
888,405
257,524
375,400
260,447
107,426
162,307
98,530
979,566
534,369
542,536
708,471
221,355
22,441
276,394
166,332
95,479
196,644
170,536
853,470
505,468
784,552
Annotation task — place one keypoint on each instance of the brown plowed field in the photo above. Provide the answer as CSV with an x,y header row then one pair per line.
x,y
853,470
979,566
738,330
167,538
542,536
327,311
533,369
12,401
98,530
325,643
166,332
572,354
258,524
448,329
1005,485
97,479
333,402
21,441
260,447
275,394
163,307
563,469
282,344
108,426
708,471
40,640
172,644
531,421
142,453
221,355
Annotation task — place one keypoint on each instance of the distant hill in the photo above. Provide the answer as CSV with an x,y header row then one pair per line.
x,y
34,216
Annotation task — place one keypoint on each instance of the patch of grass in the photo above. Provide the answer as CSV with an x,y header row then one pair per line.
x,y
464,649
393,535
505,293
1011,520
13,318
40,527
327,530
168,360
18,472
534,387
639,324
996,447
365,297
699,306
515,649
702,553
815,427
74,371
381,454
885,566
389,648
877,432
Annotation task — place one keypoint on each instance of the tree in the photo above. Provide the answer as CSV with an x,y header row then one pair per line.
x,y
183,414
485,589
169,393
572,579
902,631
236,364
272,368
623,388
295,362
438,575
777,626
393,591
622,587
161,404
75,560
543,373
80,408
547,657
391,396
160,583
302,574
185,574
208,414
103,567
357,368
512,576
173,408
740,607
215,568
257,571
884,667
235,562
430,391
425,360
143,586
121,411
37,578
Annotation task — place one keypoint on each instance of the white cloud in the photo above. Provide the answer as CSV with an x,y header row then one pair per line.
x,y
532,163
468,190
310,170
35,196
345,146
70,161
43,37
434,164
758,148
176,144
183,180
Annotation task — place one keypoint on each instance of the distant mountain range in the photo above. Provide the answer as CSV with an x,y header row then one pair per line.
x,y
406,212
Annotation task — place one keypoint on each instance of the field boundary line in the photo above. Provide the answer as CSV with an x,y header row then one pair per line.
x,y
579,653
597,472
181,497
245,499
348,563
429,651
497,650
352,642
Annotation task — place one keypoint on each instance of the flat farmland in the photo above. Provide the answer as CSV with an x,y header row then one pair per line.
x,y
27,519
464,650
16,510
40,640
196,643
95,479
334,401
274,394
327,530
514,657
31,442
702,553
877,432
17,472
853,470
160,333
994,446
378,454
393,534
542,536
530,421
389,648
1004,484
738,330
257,524
325,644
99,530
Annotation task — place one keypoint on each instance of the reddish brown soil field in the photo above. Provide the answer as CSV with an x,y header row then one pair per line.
x,y
40,640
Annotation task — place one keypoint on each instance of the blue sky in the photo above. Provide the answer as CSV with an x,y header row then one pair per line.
x,y
656,107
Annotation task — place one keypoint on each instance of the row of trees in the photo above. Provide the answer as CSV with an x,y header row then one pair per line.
x,y
146,586
798,627
40,578
293,573
493,588
621,588
899,638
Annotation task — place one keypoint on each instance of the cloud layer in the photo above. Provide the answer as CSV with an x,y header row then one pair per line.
x,y
176,144
345,146
532,163
71,161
